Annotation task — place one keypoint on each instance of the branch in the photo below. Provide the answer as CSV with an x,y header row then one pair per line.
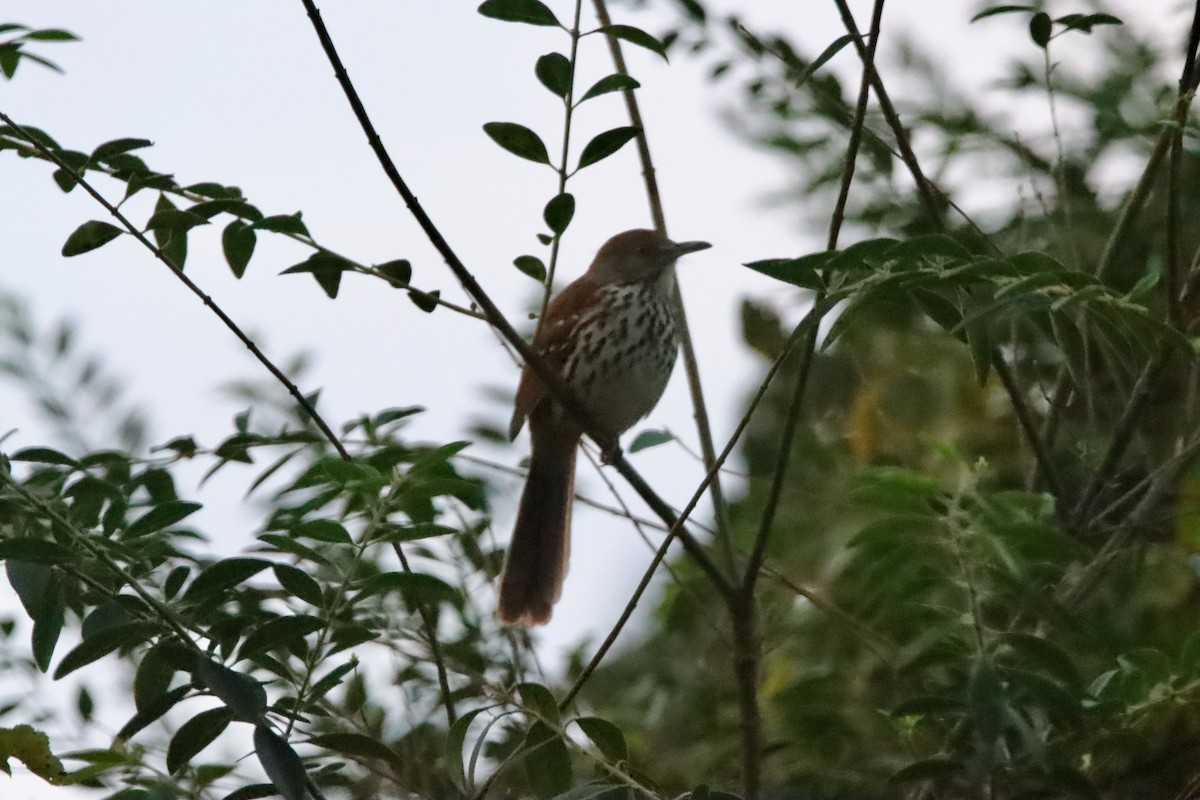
x,y
691,365
811,320
190,284
549,377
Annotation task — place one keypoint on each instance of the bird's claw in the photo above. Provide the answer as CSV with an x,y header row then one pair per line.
x,y
610,453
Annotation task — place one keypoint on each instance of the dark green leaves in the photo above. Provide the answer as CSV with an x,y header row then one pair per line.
x,y
605,144
280,762
161,516
194,735
607,737
34,551
223,574
611,83
241,694
531,266
647,439
44,455
89,236
416,588
326,268
96,647
531,12
358,746
635,36
554,71
559,212
547,761
1039,29
279,631
518,140
237,241
997,10
116,147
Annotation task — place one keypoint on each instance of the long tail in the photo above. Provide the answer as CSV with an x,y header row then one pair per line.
x,y
541,541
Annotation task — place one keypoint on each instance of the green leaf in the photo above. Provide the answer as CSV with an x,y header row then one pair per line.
x,y
531,266
547,761
47,627
163,515
175,580
539,699
635,36
986,699
194,735
531,12
10,57
280,762
996,10
829,52
558,214
605,144
607,737
153,678
299,583
358,745
239,208
89,236
1085,22
237,241
152,713
52,35
1039,29
283,223
224,574
323,530
240,693
647,439
35,551
399,271
554,71
114,637
326,268
171,219
426,301
802,272
416,588
518,140
611,83
456,739
330,680
279,631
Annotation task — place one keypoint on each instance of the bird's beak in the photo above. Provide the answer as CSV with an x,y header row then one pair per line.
x,y
683,248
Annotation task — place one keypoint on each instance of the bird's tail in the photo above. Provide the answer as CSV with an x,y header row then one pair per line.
x,y
537,555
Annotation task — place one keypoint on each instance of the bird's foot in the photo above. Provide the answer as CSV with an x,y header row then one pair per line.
x,y
610,452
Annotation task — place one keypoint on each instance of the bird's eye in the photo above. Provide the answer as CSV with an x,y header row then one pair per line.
x,y
643,251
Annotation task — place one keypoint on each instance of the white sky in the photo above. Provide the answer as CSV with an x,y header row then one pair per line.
x,y
239,92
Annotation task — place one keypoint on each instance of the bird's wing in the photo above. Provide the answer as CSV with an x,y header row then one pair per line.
x,y
562,315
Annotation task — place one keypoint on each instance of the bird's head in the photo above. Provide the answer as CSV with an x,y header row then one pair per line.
x,y
638,255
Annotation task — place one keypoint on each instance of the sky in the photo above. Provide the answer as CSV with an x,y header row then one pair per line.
x,y
239,92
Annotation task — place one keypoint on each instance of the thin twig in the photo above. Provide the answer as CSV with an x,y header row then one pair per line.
x,y
568,112
553,382
435,648
691,364
190,284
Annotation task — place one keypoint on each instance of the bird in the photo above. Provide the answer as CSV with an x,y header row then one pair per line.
x,y
612,337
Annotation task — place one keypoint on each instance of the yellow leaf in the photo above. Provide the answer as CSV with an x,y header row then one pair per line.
x,y
32,748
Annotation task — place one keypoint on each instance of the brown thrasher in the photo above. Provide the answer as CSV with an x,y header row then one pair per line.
x,y
611,336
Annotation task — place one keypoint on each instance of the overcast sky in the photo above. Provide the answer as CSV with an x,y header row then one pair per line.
x,y
239,92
